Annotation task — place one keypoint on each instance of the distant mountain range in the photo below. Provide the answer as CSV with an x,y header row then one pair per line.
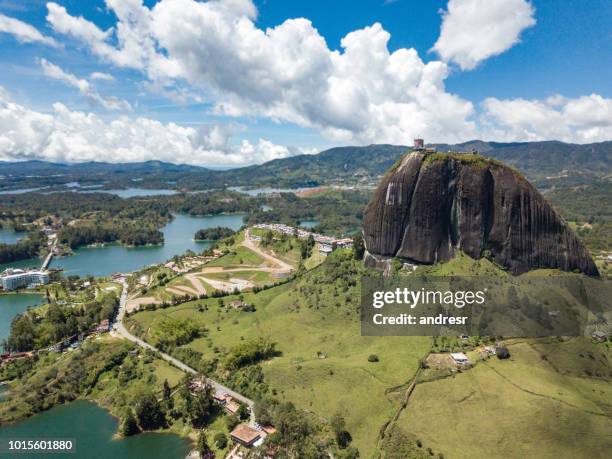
x,y
546,164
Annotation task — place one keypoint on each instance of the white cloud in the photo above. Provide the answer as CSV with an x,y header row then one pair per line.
x,y
84,87
101,76
77,27
474,30
362,94
583,119
23,32
73,136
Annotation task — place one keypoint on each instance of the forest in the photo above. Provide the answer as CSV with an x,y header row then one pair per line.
x,y
28,247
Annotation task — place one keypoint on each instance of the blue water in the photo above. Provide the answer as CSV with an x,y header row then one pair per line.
x,y
132,192
309,223
263,191
178,238
9,236
13,304
21,191
92,429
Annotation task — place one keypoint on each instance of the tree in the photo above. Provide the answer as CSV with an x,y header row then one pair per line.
x,y
202,447
22,334
148,411
343,437
198,407
166,390
220,440
263,412
231,422
167,395
358,246
243,412
128,424
201,406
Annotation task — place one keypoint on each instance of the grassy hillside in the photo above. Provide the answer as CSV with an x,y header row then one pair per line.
x,y
522,407
323,366
531,405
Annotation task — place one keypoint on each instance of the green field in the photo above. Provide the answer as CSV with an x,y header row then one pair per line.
x,y
238,257
540,403
343,381
529,406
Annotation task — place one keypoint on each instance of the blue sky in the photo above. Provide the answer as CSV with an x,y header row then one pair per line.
x,y
235,82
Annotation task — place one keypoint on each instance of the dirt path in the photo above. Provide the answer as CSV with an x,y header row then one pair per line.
x,y
119,328
135,303
181,290
249,244
197,284
230,285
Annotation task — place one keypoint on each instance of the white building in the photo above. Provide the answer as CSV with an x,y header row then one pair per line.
x,y
16,278
460,358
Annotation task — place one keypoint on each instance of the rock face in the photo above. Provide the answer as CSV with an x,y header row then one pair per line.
x,y
431,204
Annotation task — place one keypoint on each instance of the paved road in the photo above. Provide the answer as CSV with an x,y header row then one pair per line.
x,y
121,330
249,244
49,256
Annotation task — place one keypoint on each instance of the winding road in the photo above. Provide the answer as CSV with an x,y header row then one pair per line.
x,y
119,328
249,244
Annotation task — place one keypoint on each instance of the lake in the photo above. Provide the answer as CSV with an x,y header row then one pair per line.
x,y
11,305
132,192
22,190
92,429
103,261
264,191
309,223
9,236
74,186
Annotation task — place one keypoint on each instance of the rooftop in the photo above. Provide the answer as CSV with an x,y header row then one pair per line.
x,y
245,434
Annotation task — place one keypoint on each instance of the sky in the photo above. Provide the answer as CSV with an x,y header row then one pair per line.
x,y
233,82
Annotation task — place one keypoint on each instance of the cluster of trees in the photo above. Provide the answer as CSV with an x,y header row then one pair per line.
x,y
250,352
588,206
176,332
213,234
30,331
25,248
43,383
147,411
339,275
301,435
212,203
133,234
338,212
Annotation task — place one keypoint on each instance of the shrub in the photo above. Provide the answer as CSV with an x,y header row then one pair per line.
x,y
231,422
220,440
373,358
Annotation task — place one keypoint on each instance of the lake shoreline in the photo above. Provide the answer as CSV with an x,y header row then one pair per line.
x,y
109,432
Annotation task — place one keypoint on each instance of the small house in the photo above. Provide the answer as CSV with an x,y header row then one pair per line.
x,y
460,358
245,435
103,326
222,398
231,407
238,304
325,249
